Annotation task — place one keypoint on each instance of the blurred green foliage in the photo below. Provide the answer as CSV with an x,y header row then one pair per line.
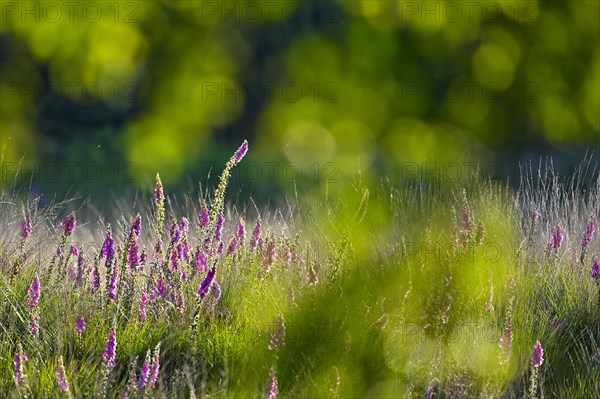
x,y
332,87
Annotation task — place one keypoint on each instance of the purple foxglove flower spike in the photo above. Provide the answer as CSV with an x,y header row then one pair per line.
x,y
110,349
174,232
537,357
596,270
273,389
63,384
206,283
134,253
270,255
80,325
34,293
241,151
256,237
185,224
241,231
557,239
145,374
136,226
155,367
68,225
35,325
26,228
203,217
430,390
20,359
219,229
233,244
108,249
589,234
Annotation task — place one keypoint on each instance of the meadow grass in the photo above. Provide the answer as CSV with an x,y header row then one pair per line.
x,y
420,291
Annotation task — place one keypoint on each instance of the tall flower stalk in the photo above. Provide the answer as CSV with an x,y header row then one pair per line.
x,y
61,378
159,201
537,359
219,198
588,235
19,362
33,304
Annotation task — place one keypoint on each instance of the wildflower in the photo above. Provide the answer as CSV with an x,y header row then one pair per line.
x,y
557,240
108,249
233,244
136,226
20,359
287,254
110,349
155,367
596,269
145,374
239,154
143,307
537,357
80,269
80,325
185,224
134,256
203,217
270,255
63,384
160,288
35,325
536,215
201,261
174,232
206,283
59,252
430,390
34,294
180,302
273,390
26,228
219,229
68,225
589,234
256,240
241,231
96,276
159,194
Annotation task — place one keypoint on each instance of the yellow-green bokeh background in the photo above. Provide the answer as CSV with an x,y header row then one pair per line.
x,y
166,85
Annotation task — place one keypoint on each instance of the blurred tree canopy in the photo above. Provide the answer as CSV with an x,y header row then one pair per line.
x,y
330,88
